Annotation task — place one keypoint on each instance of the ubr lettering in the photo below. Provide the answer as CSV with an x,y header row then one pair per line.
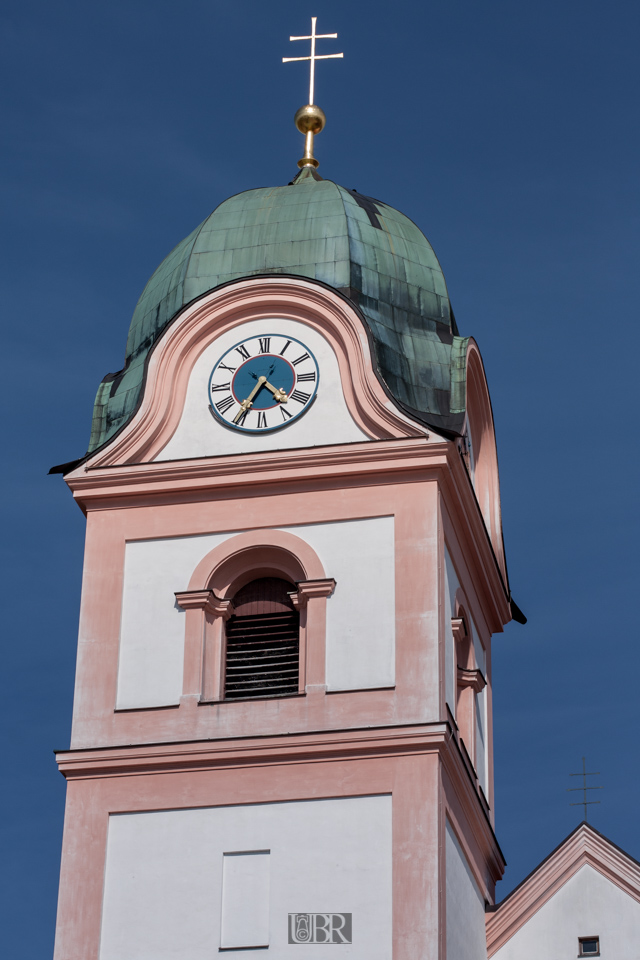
x,y
320,927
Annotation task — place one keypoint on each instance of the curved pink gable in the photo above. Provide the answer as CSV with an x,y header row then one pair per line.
x,y
487,484
184,340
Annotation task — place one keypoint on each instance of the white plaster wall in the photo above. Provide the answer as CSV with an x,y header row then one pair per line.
x,y
358,554
152,626
200,433
587,905
466,936
163,878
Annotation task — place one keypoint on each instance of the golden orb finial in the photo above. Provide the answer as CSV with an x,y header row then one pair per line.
x,y
310,119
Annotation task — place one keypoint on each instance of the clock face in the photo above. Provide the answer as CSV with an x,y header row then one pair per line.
x,y
263,383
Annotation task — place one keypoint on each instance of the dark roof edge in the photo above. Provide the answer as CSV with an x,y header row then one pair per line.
x,y
66,467
516,612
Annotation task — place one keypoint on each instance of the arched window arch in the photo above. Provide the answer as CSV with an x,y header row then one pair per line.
x,y
262,649
235,576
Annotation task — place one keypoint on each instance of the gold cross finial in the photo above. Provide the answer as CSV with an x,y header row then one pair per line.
x,y
310,119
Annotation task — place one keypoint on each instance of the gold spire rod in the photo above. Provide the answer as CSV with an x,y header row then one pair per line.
x,y
310,119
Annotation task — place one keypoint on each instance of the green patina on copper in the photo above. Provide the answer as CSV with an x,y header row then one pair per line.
x,y
312,228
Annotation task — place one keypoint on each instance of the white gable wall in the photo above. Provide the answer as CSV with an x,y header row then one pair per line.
x,y
200,433
587,905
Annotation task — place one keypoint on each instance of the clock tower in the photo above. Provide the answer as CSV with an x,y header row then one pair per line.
x,y
294,565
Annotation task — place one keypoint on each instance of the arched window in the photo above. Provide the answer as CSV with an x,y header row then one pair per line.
x,y
470,682
262,654
257,628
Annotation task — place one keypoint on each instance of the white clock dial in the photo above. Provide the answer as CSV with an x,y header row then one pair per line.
x,y
263,383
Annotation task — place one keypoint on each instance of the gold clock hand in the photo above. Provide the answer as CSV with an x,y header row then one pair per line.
x,y
247,404
279,395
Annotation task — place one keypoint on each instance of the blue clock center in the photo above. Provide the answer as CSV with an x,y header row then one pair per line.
x,y
278,372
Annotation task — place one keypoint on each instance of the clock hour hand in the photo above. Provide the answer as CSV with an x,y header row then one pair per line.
x,y
278,395
248,403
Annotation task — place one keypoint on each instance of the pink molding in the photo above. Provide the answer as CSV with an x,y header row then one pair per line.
x,y
254,554
311,600
459,629
585,846
311,589
483,438
205,600
471,678
203,644
172,360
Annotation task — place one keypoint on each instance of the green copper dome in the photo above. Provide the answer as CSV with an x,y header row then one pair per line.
x,y
367,251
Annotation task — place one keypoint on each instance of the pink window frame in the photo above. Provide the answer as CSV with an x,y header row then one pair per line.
x,y
208,605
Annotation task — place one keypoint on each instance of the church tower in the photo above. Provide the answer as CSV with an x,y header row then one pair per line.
x,y
294,565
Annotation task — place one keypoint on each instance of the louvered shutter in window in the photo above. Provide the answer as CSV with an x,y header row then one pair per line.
x,y
262,653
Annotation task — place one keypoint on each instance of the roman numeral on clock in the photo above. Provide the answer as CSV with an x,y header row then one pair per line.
x,y
285,414
305,356
302,377
222,386
262,420
300,396
285,347
265,344
244,353
223,366
223,405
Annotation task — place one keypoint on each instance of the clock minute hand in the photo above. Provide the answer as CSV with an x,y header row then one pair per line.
x,y
279,395
248,403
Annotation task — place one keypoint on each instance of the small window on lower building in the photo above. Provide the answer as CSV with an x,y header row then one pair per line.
x,y
589,946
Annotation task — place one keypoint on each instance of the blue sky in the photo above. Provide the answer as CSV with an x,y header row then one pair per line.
x,y
509,133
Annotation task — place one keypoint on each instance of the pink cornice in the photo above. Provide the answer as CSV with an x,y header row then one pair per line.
x,y
471,678
205,600
268,467
302,748
361,744
584,847
458,628
310,589
177,350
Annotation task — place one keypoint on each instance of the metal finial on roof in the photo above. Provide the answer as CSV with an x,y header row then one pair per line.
x,y
310,119
583,789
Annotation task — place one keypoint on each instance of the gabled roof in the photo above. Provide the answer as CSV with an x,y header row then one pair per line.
x,y
585,846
